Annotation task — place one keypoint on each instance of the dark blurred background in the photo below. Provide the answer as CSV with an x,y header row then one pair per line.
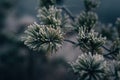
x,y
108,10
17,62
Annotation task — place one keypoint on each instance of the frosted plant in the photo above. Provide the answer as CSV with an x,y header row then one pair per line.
x,y
90,67
87,19
91,41
91,4
52,16
43,37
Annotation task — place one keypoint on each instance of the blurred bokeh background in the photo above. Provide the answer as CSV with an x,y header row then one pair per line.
x,y
17,62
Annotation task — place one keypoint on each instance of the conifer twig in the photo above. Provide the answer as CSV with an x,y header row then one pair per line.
x,y
70,41
106,48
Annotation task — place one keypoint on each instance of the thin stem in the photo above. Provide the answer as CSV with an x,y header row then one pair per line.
x,y
72,42
106,49
67,11
107,55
